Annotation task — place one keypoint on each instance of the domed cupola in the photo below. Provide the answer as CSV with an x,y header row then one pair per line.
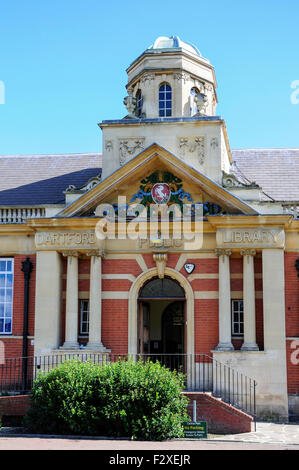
x,y
170,79
174,42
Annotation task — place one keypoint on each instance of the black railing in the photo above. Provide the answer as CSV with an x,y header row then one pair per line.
x,y
202,374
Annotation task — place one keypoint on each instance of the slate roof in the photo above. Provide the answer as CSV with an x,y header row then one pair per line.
x,y
41,179
275,170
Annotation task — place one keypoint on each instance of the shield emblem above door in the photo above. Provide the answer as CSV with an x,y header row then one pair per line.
x,y
189,267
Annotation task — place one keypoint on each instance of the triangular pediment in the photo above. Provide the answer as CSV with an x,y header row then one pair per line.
x,y
151,165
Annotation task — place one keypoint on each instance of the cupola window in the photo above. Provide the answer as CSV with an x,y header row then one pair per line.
x,y
139,103
165,100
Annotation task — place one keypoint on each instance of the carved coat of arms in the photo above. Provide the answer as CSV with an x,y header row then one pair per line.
x,y
161,193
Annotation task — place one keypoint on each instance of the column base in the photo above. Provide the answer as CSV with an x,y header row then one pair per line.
x,y
96,346
70,345
224,347
249,347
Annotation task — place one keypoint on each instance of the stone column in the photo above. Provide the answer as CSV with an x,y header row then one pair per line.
x,y
72,299
48,294
274,330
274,299
225,328
249,301
95,302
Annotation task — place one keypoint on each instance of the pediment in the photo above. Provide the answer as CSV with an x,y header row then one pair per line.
x,y
134,182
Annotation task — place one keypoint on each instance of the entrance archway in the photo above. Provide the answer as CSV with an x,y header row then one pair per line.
x,y
161,317
133,312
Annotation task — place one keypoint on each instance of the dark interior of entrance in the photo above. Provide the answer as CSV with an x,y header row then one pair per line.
x,y
161,323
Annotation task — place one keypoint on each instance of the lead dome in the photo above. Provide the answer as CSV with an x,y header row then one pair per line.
x,y
174,42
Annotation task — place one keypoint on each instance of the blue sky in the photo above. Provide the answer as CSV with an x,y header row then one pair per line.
x,y
63,66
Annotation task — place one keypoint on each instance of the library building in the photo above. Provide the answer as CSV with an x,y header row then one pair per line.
x,y
168,244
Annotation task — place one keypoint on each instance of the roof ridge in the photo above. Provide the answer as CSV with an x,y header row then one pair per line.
x,y
50,155
266,149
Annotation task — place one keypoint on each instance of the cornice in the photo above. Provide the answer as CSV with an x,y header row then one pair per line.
x,y
250,220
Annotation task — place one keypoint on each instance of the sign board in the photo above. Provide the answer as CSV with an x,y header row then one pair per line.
x,y
195,429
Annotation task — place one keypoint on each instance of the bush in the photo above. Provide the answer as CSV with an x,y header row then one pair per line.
x,y
124,398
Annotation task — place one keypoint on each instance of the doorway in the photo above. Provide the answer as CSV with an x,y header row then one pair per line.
x,y
161,318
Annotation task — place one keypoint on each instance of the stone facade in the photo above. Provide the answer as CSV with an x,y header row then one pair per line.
x,y
242,255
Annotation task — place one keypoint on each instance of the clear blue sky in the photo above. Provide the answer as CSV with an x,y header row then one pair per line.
x,y
63,65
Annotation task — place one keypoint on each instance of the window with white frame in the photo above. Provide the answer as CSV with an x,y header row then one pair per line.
x,y
84,317
6,294
237,318
165,100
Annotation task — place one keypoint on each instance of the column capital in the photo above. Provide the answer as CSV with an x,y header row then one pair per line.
x,y
247,252
70,253
98,253
222,252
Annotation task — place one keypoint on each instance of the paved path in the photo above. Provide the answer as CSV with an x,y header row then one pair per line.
x,y
269,436
267,433
45,443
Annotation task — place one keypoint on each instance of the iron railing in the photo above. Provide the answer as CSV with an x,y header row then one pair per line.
x,y
202,374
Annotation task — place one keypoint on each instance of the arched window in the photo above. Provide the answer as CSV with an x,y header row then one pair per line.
x,y
162,288
165,100
139,103
193,106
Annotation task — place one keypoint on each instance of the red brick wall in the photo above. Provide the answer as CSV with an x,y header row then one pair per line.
x,y
292,321
206,310
115,325
220,417
206,325
14,405
291,295
13,346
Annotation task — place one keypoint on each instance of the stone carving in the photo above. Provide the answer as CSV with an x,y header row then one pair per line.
x,y
214,143
147,78
222,252
98,253
80,190
109,145
75,254
160,260
128,148
65,239
160,243
250,237
130,103
247,252
192,145
201,101
231,181
208,87
181,76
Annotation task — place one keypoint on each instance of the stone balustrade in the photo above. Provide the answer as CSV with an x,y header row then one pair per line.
x,y
18,215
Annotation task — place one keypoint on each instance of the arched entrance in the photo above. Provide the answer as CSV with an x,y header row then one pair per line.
x,y
134,306
161,317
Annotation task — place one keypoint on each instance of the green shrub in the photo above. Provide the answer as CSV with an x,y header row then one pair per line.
x,y
124,398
